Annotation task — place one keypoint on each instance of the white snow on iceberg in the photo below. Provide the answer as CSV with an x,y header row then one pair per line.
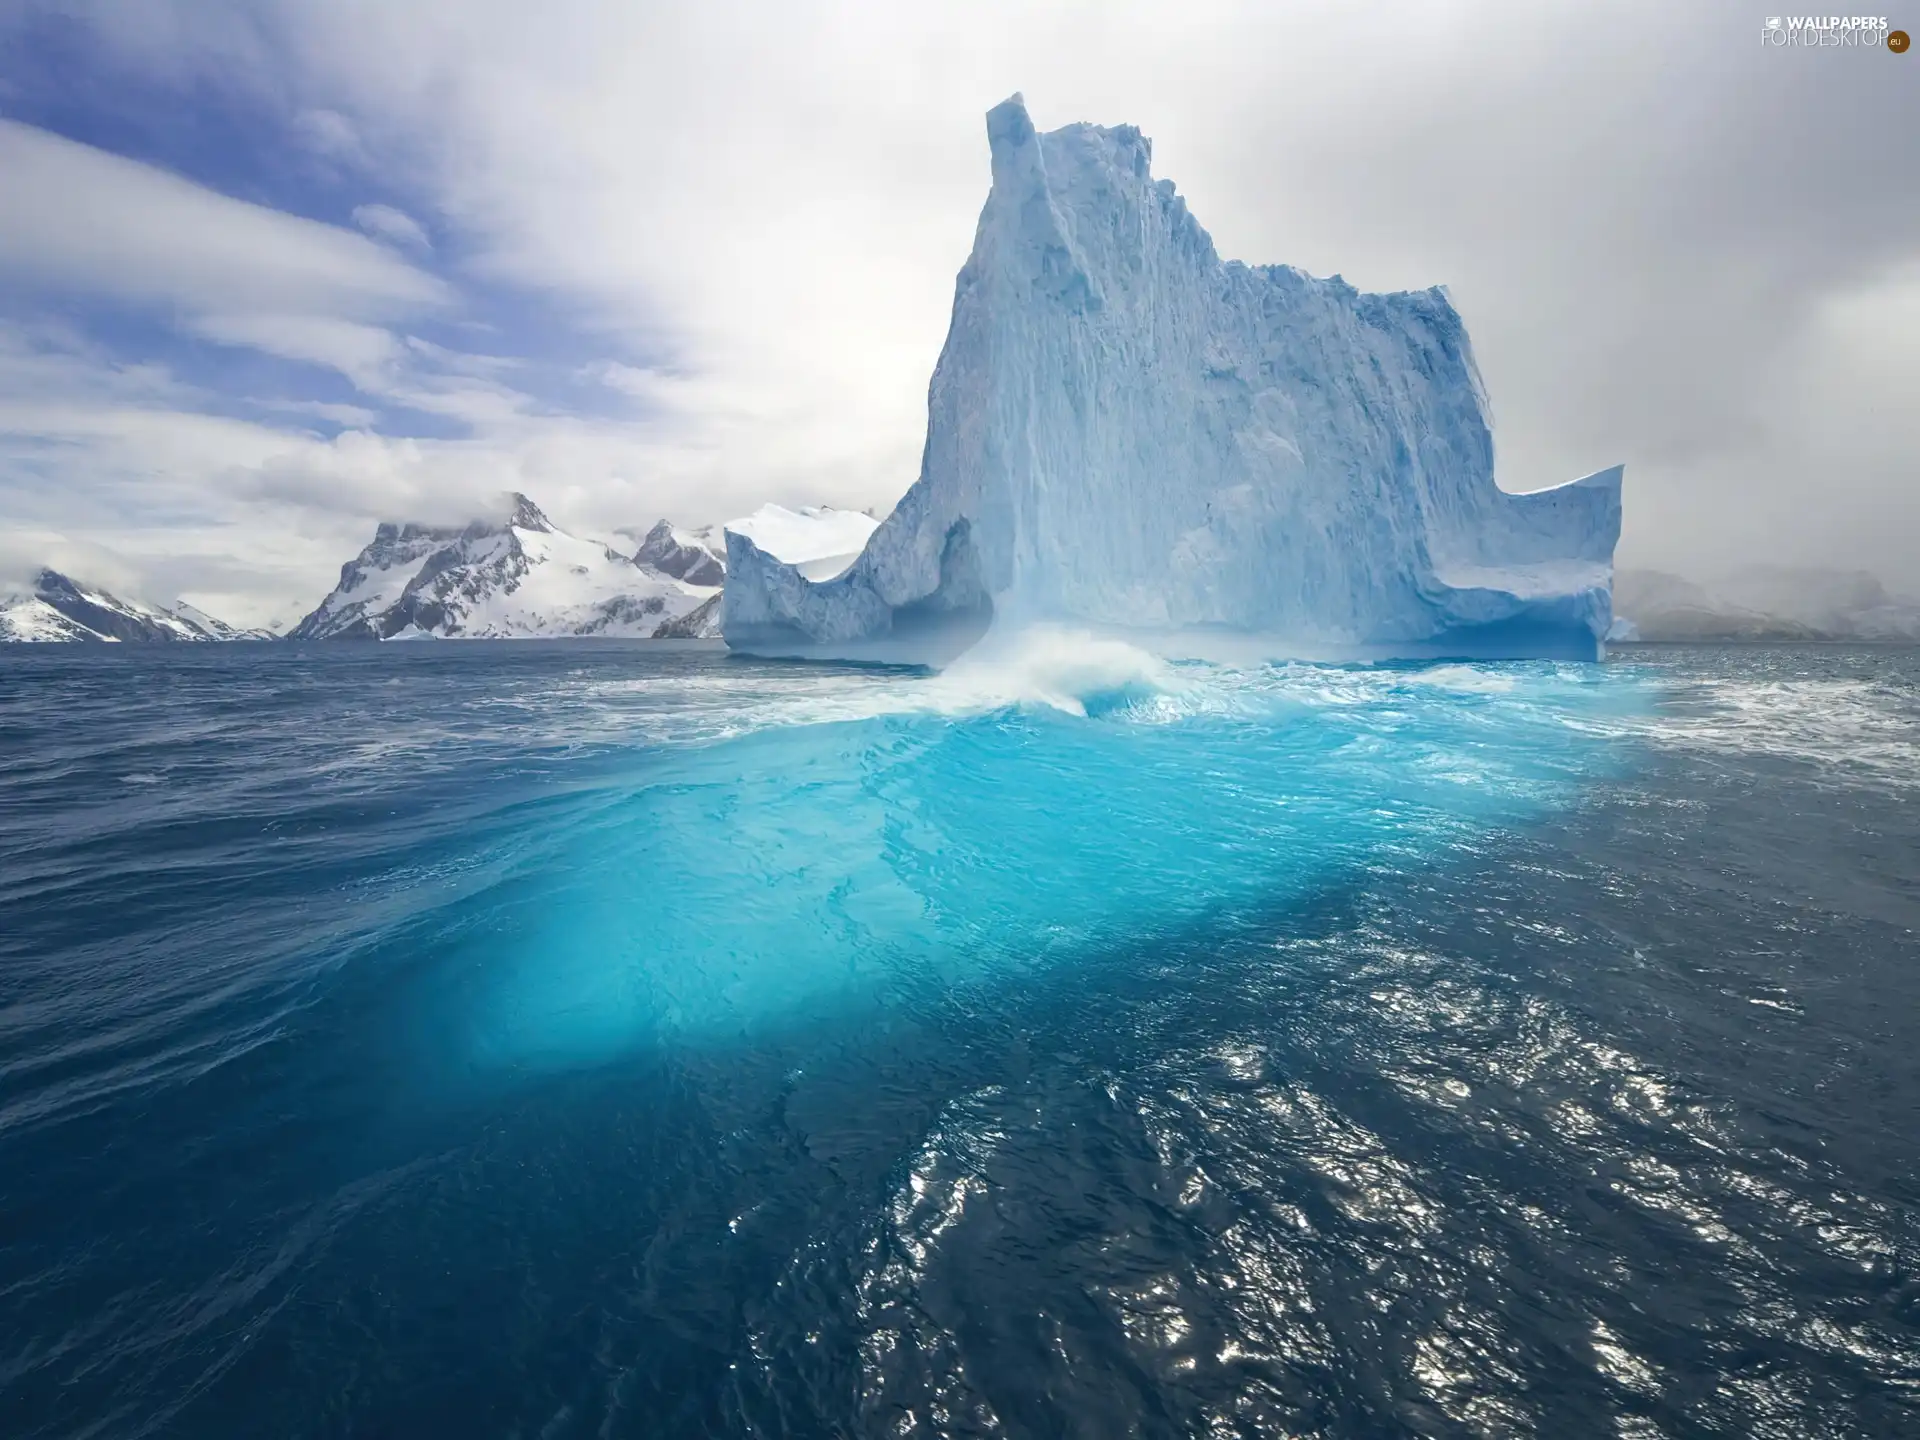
x,y
1126,433
817,540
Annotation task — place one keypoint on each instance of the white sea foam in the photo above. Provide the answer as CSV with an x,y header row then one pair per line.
x,y
1482,678
1043,667
1066,669
1850,728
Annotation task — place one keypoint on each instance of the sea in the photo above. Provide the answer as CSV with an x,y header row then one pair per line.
x,y
589,1039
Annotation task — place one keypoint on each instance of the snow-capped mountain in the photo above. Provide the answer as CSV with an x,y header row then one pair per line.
x,y
524,578
61,609
26,617
820,538
687,555
214,627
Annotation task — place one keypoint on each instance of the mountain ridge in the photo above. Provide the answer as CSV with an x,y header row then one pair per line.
x,y
521,578
528,578
58,608
1761,603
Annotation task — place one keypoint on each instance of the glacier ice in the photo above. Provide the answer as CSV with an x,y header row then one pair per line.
x,y
1126,433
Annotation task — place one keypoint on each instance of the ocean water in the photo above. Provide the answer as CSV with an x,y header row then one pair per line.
x,y
624,1040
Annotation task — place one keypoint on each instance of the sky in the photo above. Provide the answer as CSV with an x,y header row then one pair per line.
x,y
273,271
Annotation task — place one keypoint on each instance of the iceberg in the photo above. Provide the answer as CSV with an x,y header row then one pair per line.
x,y
1127,434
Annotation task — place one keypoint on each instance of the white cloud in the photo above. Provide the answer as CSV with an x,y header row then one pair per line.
x,y
383,222
84,221
331,136
126,457
775,199
25,553
51,359
365,354
352,417
404,371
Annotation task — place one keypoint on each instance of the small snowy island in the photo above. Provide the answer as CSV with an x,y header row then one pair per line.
x,y
1127,434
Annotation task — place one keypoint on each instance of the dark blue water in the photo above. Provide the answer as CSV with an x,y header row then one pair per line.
x,y
578,1040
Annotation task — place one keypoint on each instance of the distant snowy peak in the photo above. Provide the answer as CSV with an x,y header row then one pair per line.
x,y
528,516
685,555
517,575
817,540
216,628
60,609
1762,603
107,615
820,538
526,578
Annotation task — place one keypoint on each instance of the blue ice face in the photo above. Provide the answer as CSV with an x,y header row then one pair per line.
x,y
844,840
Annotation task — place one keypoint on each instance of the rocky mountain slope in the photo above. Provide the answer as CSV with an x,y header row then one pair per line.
x,y
58,608
1761,603
685,555
521,578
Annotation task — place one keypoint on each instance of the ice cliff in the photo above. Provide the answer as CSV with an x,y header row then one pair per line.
x,y
1127,433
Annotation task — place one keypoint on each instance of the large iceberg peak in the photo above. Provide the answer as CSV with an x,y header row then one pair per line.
x,y
1127,433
